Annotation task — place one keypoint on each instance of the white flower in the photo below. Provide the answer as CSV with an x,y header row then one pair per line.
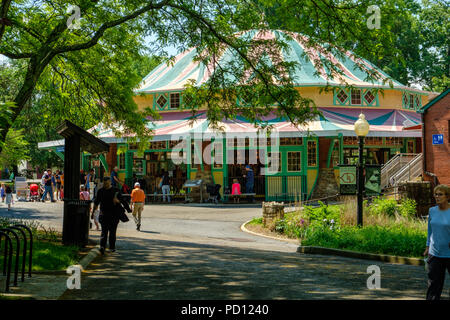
x,y
324,220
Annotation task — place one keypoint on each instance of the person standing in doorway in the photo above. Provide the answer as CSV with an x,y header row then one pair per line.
x,y
438,242
107,198
137,204
249,181
165,186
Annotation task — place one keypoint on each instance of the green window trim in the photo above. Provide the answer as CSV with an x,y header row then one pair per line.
x,y
406,100
340,92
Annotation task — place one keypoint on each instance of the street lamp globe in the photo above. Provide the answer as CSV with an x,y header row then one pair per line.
x,y
361,126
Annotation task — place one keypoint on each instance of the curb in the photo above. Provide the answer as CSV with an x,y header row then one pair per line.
x,y
244,229
94,253
361,255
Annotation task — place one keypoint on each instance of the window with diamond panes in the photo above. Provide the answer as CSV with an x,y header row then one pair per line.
x,y
369,97
411,101
161,101
342,97
312,154
174,100
356,96
294,159
418,102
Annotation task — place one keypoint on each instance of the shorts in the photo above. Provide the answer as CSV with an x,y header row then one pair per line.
x,y
8,198
96,214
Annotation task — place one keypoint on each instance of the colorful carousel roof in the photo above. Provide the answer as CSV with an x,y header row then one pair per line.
x,y
310,68
178,125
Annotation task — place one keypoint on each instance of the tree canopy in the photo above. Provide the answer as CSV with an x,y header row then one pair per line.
x,y
87,74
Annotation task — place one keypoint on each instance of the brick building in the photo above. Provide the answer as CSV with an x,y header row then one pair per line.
x,y
436,139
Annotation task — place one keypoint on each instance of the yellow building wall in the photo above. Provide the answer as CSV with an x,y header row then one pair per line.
x,y
121,176
388,98
218,179
311,179
144,101
193,175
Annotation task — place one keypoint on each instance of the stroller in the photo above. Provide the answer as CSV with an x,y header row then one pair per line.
x,y
34,192
214,192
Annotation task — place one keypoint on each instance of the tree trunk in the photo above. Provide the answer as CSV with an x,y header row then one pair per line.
x,y
36,66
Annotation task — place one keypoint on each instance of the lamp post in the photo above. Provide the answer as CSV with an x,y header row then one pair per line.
x,y
361,130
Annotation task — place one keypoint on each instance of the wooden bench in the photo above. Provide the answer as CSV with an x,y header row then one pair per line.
x,y
232,196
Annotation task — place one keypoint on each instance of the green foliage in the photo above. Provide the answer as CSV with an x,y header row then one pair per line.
x,y
48,252
15,149
323,216
388,228
382,206
394,240
408,208
256,221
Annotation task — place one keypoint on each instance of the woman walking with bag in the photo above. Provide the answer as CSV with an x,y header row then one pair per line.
x,y
110,200
438,242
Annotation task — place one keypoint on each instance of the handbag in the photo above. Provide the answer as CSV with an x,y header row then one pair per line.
x,y
119,211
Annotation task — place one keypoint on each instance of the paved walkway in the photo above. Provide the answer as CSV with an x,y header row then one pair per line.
x,y
201,253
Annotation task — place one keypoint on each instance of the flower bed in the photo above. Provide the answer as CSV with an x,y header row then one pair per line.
x,y
389,228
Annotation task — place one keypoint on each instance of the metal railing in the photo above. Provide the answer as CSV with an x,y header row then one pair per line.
x,y
8,252
395,164
408,172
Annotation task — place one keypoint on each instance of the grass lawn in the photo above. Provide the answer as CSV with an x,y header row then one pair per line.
x,y
48,255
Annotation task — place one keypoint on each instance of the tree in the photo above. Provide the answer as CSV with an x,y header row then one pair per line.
x,y
14,150
98,56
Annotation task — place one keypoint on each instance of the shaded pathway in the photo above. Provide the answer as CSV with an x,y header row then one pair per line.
x,y
161,269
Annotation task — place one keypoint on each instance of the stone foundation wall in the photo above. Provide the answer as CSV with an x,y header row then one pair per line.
x,y
272,211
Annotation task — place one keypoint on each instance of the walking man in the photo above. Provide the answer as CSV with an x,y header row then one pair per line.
x,y
108,197
137,204
48,186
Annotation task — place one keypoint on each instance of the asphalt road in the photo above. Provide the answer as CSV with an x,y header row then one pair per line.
x,y
186,252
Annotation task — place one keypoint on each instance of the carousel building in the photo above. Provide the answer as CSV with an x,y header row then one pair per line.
x,y
307,158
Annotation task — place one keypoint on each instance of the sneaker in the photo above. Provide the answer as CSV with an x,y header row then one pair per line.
x,y
102,250
138,227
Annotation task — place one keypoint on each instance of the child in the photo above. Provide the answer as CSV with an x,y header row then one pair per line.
x,y
84,195
2,192
235,190
9,196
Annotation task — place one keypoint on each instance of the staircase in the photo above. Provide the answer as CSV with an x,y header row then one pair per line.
x,y
402,167
326,184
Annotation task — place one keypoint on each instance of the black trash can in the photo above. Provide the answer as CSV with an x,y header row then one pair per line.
x,y
76,222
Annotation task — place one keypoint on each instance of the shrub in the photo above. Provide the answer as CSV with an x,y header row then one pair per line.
x,y
381,206
393,240
408,208
323,216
